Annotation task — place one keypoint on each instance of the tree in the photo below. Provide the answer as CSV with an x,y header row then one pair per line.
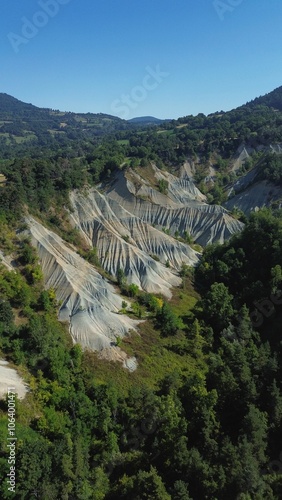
x,y
133,290
255,428
187,237
124,305
248,477
34,465
121,277
180,491
6,312
44,301
197,338
92,256
167,321
276,279
149,486
217,306
101,483
244,330
275,404
185,270
28,254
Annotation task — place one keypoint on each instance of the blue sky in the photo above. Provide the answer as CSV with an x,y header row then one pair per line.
x,y
140,57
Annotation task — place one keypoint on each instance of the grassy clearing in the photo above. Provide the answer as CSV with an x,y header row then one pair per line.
x,y
16,138
124,142
166,132
27,137
6,136
56,132
19,319
184,300
157,356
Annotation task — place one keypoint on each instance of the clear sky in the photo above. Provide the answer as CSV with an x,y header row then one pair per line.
x,y
166,58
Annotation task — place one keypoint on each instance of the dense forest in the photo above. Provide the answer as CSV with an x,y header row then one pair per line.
x,y
208,424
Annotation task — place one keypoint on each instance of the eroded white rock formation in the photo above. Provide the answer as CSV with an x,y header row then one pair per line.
x,y
88,301
125,241
9,379
258,195
182,209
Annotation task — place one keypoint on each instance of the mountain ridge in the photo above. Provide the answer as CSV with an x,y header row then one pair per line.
x,y
8,103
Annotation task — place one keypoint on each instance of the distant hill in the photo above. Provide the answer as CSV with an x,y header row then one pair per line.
x,y
28,128
9,104
146,120
21,122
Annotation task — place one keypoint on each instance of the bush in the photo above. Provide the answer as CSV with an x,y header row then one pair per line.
x,y
163,186
133,290
28,254
92,257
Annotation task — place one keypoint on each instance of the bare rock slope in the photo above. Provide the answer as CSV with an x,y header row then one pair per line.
x,y
183,208
10,380
88,301
132,224
258,195
250,192
125,241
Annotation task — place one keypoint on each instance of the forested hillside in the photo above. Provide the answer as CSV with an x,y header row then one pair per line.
x,y
24,127
201,415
